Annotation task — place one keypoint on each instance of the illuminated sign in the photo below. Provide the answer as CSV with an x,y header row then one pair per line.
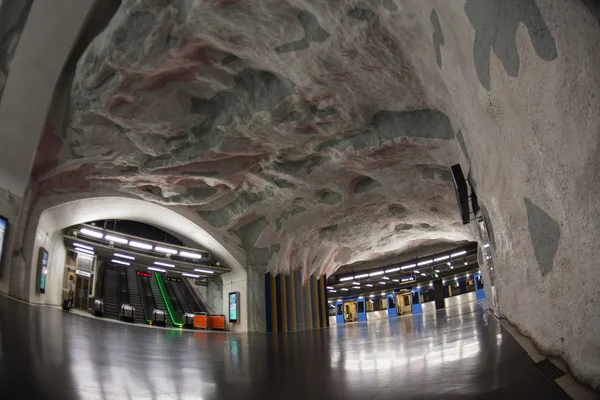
x,y
173,279
83,273
144,274
42,269
408,279
233,306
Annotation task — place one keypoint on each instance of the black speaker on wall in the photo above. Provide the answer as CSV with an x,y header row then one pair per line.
x,y
462,192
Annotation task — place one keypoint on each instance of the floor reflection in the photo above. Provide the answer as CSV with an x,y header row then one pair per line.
x,y
461,351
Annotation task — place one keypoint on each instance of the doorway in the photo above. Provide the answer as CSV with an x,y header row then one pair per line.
x,y
82,289
350,311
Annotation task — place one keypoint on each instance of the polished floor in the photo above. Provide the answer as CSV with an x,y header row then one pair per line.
x,y
460,352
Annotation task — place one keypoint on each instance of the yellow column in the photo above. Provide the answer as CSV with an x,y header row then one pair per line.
x,y
284,316
293,300
315,294
324,314
308,305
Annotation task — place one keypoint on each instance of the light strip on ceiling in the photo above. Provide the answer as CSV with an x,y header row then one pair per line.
x,y
460,253
347,278
329,287
408,266
84,250
376,273
162,264
156,269
333,291
83,246
356,283
120,262
361,276
189,255
388,271
485,246
140,245
441,258
344,289
425,262
205,271
382,283
165,250
190,275
369,285
92,233
123,256
116,239
385,277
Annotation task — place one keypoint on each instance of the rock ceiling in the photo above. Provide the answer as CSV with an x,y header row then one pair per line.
x,y
303,129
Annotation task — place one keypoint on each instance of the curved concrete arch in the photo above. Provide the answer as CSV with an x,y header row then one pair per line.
x,y
50,217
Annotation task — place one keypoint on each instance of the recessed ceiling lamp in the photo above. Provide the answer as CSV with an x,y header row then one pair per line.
x,y
91,232
162,264
116,239
165,250
187,254
124,256
140,245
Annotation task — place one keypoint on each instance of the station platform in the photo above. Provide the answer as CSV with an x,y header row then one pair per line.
x,y
462,352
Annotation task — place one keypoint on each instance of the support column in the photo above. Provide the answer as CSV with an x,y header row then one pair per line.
x,y
438,293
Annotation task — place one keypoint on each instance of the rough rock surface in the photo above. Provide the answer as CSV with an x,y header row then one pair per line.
x,y
318,134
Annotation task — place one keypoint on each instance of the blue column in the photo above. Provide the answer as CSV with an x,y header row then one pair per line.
x,y
479,293
416,306
391,305
339,312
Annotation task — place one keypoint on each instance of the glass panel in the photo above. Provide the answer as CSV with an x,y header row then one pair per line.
x,y
361,306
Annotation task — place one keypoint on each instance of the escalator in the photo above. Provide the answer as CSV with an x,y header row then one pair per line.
x,y
111,293
134,296
158,299
191,297
176,290
148,303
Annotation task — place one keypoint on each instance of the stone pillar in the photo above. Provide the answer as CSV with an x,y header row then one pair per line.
x,y
438,292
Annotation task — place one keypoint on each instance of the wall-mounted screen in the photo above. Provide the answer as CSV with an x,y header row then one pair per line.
x,y
3,228
233,306
42,269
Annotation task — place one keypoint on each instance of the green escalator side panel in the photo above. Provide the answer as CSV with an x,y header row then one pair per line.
x,y
166,298
142,298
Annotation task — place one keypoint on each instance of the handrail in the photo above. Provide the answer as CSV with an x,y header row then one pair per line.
x,y
189,290
166,298
142,294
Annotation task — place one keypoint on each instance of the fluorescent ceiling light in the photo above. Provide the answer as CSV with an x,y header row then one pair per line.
x,y
376,273
424,274
385,277
140,245
466,263
344,289
382,283
190,275
486,246
92,233
416,271
332,291
431,284
425,262
116,239
408,266
396,280
460,253
83,246
361,276
84,250
356,283
204,271
449,263
329,287
441,258
120,262
156,269
369,285
451,267
164,264
346,278
387,271
165,250
437,271
124,256
189,255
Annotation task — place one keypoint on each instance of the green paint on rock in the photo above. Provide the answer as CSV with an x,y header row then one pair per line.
x,y
438,37
390,5
292,116
129,37
313,33
365,184
316,161
283,184
286,214
322,113
440,173
545,235
289,167
361,14
329,197
249,235
228,59
201,193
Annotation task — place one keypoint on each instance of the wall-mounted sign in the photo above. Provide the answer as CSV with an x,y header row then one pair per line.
x,y
233,306
408,279
42,269
201,282
173,279
83,273
144,274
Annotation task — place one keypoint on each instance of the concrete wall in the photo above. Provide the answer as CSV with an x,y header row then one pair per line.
x,y
9,208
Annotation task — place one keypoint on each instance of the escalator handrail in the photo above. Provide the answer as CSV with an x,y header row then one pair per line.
x,y
166,298
197,300
177,307
143,298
